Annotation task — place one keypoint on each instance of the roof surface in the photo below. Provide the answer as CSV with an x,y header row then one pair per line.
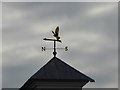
x,y
56,69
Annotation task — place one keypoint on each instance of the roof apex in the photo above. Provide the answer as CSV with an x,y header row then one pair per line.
x,y
56,69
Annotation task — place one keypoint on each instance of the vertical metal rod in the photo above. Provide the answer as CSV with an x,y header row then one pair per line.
x,y
54,52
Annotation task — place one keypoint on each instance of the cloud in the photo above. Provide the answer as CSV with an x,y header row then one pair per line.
x,y
101,9
88,29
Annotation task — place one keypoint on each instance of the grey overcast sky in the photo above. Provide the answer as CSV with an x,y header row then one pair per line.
x,y
89,29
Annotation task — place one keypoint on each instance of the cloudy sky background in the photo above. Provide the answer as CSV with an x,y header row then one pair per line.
x,y
90,30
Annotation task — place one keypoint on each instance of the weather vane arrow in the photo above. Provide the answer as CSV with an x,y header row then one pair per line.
x,y
57,39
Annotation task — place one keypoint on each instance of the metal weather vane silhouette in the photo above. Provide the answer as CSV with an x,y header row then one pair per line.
x,y
56,33
57,39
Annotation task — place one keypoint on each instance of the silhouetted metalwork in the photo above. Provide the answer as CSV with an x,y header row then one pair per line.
x,y
56,33
57,39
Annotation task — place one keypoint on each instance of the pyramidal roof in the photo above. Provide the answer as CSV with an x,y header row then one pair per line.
x,y
56,69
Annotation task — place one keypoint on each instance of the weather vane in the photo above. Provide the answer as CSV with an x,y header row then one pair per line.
x,y
57,39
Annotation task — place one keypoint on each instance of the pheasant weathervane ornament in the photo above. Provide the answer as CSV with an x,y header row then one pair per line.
x,y
56,33
57,38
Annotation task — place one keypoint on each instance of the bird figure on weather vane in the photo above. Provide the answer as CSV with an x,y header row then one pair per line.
x,y
57,38
56,33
